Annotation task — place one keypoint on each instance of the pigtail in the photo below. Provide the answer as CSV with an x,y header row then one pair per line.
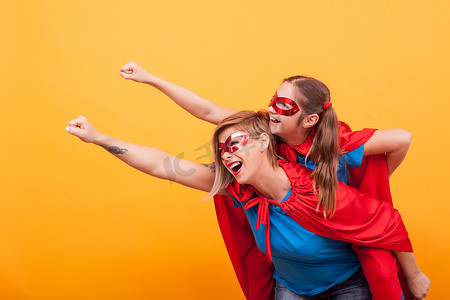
x,y
314,98
325,153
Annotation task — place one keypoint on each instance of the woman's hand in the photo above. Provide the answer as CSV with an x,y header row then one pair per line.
x,y
133,71
83,129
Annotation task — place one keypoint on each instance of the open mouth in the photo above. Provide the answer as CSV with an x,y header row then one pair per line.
x,y
235,167
272,119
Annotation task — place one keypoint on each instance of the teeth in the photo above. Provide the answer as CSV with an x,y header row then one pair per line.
x,y
234,165
274,120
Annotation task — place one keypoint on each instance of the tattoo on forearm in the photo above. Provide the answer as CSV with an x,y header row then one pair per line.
x,y
212,167
115,149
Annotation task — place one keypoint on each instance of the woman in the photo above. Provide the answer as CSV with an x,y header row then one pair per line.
x,y
251,161
304,120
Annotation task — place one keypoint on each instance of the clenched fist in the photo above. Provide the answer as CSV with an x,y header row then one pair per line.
x,y
81,128
133,71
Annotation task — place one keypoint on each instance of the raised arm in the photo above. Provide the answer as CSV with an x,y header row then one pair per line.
x,y
393,142
197,106
149,160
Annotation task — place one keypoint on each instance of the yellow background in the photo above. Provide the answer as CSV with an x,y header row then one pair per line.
x,y
76,223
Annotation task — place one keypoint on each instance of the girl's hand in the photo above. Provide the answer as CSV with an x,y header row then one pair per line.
x,y
419,284
81,128
133,71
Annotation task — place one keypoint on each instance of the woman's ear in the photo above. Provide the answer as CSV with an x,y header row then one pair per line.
x,y
263,141
310,120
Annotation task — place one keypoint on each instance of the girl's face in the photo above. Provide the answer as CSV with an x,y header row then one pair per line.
x,y
240,153
287,127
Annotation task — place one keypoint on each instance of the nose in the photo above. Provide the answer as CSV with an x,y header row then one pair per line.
x,y
226,155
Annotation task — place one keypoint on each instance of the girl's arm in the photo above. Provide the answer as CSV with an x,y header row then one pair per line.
x,y
188,100
393,142
418,283
149,160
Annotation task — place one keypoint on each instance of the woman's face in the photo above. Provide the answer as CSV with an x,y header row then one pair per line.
x,y
241,154
288,128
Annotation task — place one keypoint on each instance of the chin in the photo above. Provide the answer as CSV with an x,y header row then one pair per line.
x,y
241,179
273,127
274,130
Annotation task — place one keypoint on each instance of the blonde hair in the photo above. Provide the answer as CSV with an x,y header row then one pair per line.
x,y
311,95
254,123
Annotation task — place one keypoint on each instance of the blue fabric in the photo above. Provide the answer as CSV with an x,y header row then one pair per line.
x,y
304,262
349,159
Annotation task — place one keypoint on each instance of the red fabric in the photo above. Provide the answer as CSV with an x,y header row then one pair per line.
x,y
252,269
348,140
255,273
358,219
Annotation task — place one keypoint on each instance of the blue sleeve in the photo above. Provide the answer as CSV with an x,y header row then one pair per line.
x,y
350,159
354,158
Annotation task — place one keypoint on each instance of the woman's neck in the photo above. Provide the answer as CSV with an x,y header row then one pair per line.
x,y
272,183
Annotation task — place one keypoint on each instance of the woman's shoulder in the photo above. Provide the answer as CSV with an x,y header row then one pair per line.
x,y
298,174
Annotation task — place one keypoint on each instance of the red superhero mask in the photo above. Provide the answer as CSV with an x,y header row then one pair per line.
x,y
234,142
283,106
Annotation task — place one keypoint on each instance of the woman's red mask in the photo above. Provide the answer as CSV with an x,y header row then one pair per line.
x,y
234,142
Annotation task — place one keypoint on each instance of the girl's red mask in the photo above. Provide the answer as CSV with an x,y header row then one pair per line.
x,y
283,106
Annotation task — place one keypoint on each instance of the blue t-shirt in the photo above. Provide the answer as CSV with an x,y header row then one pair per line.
x,y
349,159
304,262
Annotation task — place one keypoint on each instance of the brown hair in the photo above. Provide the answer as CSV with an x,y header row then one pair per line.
x,y
254,123
311,95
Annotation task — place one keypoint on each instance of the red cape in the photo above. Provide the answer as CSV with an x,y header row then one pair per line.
x,y
253,270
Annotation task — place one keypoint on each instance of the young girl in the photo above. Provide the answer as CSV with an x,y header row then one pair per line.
x,y
246,152
302,117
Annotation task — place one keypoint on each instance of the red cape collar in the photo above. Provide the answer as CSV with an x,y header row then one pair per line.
x,y
348,141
